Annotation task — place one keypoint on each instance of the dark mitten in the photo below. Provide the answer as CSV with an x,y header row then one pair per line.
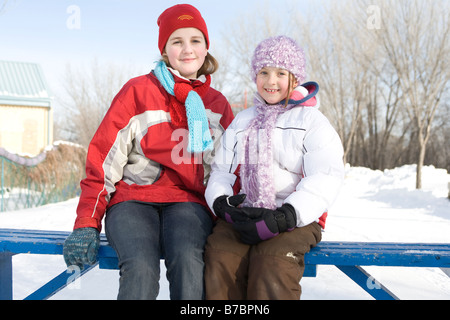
x,y
226,208
269,224
81,247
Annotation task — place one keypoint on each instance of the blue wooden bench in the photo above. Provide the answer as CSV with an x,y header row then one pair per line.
x,y
349,257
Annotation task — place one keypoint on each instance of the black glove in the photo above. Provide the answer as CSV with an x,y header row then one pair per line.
x,y
226,208
265,224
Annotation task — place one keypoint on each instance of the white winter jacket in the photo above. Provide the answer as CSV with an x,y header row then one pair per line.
x,y
307,162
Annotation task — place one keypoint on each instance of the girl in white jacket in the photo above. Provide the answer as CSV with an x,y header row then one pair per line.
x,y
289,160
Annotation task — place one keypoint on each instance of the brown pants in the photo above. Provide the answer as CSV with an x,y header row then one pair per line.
x,y
270,270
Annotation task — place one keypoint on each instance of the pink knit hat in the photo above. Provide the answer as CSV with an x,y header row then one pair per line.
x,y
280,52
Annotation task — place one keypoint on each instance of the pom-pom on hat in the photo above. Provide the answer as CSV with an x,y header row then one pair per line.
x,y
177,17
280,52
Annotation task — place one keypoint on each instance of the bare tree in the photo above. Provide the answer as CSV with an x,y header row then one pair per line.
x,y
336,54
3,5
416,42
239,41
89,93
374,72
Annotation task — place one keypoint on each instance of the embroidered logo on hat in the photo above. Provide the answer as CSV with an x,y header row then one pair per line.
x,y
185,17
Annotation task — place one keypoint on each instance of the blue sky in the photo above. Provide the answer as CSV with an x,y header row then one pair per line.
x,y
117,31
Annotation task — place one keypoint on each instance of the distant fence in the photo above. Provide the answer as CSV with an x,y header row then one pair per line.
x,y
50,177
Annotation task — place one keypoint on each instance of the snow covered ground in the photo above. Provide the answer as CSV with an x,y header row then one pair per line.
x,y
373,206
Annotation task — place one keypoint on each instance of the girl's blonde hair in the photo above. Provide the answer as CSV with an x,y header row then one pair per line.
x,y
209,66
291,86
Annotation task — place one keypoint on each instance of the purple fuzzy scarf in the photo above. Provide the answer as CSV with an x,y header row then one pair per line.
x,y
257,166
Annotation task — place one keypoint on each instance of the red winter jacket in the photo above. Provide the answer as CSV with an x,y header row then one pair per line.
x,y
138,154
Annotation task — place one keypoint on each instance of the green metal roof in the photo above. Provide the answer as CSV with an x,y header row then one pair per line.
x,y
23,83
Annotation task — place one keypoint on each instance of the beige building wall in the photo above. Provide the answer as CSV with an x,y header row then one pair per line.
x,y
25,130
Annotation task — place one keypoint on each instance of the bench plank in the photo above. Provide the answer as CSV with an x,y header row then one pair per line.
x,y
39,242
380,254
329,253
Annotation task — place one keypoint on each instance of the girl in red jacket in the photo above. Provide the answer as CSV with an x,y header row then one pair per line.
x,y
148,164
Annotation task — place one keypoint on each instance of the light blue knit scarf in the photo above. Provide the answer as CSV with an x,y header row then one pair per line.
x,y
199,134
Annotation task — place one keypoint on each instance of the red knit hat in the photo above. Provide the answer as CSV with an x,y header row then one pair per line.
x,y
177,17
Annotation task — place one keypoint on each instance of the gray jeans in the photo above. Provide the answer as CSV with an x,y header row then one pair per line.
x,y
143,232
